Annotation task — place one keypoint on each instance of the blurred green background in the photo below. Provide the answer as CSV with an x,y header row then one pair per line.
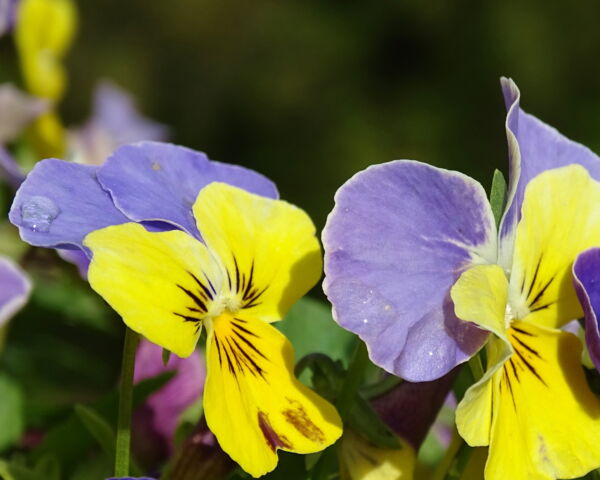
x,y
310,92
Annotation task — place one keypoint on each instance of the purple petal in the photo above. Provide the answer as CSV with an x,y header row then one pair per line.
x,y
9,169
586,278
183,390
115,111
115,122
78,258
399,236
17,110
59,203
8,13
533,148
152,181
14,289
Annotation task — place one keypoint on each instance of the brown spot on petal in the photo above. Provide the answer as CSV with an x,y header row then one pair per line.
x,y
156,166
274,440
297,417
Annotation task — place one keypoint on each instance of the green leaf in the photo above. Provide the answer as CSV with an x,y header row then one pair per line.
x,y
364,420
311,459
16,470
69,441
93,467
166,355
327,375
99,428
188,420
498,195
311,329
69,295
327,465
48,467
12,422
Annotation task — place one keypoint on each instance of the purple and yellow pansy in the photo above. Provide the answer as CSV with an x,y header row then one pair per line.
x,y
179,243
416,266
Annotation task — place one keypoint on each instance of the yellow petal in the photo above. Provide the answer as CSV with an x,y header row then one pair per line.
x,y
474,414
560,219
268,247
360,460
48,135
43,33
158,282
253,403
480,296
545,418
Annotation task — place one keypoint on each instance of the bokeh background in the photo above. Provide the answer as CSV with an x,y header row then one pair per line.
x,y
308,93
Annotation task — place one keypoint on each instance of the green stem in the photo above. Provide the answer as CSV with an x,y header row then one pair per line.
x,y
354,376
125,402
382,386
459,463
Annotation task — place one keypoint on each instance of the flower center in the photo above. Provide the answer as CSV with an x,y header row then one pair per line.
x,y
226,302
508,316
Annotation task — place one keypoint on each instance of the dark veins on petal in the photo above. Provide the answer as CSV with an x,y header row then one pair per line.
x,y
244,285
520,362
536,292
238,350
200,295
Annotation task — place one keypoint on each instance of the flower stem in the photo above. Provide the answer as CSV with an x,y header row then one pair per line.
x,y
459,463
122,450
354,376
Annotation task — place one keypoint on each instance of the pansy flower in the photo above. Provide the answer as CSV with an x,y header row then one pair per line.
x,y
415,266
17,111
115,121
175,250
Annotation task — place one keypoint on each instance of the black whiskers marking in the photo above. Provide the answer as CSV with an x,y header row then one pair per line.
x,y
245,285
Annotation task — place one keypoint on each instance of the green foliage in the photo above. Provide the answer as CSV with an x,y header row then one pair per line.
x,y
12,421
99,428
498,195
69,440
46,468
362,418
311,329
166,355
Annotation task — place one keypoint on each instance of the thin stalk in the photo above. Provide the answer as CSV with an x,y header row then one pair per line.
x,y
382,386
122,451
459,463
354,376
